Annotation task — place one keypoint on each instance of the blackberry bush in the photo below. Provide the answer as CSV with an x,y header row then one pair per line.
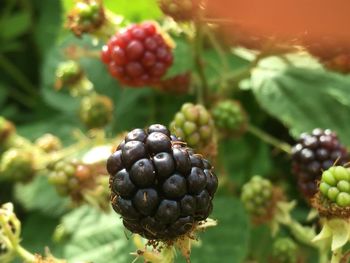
x,y
161,188
314,153
193,124
139,55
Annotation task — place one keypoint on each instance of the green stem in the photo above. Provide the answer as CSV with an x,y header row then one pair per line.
x,y
269,139
336,256
17,75
218,48
202,89
25,254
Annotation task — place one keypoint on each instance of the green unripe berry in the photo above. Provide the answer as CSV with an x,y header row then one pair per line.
x,y
68,73
96,111
17,165
324,187
341,173
333,193
343,186
189,127
328,178
284,250
343,199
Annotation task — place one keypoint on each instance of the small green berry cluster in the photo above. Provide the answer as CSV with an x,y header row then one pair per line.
x,y
48,143
17,165
88,12
335,185
284,250
96,111
68,73
229,116
257,195
86,16
63,177
193,124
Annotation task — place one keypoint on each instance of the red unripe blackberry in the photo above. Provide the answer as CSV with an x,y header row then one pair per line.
x,y
138,55
313,154
160,187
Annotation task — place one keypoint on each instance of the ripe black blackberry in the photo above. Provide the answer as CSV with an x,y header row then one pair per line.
x,y
314,153
159,186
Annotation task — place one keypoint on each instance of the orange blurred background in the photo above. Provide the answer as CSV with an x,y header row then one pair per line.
x,y
303,21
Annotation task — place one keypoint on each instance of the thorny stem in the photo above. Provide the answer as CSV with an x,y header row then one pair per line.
x,y
269,139
202,89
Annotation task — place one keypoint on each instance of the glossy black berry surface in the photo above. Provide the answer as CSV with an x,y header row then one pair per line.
x,y
160,187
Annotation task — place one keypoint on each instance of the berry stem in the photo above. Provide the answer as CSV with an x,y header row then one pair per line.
x,y
269,139
337,256
25,254
221,52
202,89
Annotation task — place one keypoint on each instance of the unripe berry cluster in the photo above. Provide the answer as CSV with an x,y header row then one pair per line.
x,y
96,111
193,124
335,185
257,195
229,117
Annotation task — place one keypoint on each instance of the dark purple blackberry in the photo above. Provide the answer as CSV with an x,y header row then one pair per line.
x,y
160,187
313,154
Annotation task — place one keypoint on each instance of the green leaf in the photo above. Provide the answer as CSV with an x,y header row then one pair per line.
x,y
240,161
304,98
183,58
37,230
61,125
14,25
96,237
42,196
47,23
137,11
228,241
